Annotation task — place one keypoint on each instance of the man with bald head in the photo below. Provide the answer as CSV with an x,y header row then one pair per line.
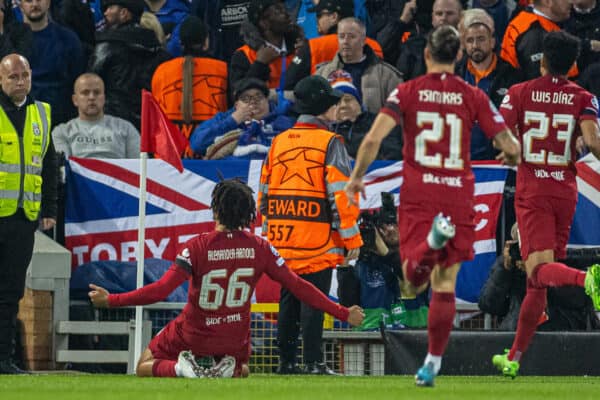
x,y
403,41
93,133
28,172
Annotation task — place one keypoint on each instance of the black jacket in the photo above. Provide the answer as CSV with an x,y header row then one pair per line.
x,y
126,58
17,38
354,133
586,27
17,115
568,308
390,38
240,67
411,61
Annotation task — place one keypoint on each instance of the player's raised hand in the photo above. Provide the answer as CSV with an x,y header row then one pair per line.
x,y
98,296
353,187
356,315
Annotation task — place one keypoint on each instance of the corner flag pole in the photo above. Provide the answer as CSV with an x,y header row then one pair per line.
x,y
139,311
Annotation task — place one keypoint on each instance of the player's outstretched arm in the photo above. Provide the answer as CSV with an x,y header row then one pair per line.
x,y
591,136
367,152
148,294
98,296
510,149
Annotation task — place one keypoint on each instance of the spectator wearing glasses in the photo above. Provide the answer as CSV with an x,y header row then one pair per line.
x,y
246,130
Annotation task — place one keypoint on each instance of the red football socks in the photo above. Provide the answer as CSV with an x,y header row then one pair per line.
x,y
532,308
442,308
557,274
420,264
164,368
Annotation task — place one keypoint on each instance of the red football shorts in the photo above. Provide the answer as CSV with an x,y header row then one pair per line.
x,y
169,342
544,224
414,224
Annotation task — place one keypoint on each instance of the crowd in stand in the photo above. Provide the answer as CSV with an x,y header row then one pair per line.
x,y
199,57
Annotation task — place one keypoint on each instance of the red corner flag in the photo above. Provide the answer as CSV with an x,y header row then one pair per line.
x,y
159,135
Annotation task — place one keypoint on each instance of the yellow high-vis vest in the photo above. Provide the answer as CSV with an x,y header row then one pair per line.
x,y
21,161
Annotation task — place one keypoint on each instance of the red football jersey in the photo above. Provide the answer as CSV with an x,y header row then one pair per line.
x,y
224,268
545,114
437,111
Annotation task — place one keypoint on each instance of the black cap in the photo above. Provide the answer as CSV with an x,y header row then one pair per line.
x,y
345,8
136,7
257,8
250,83
314,95
193,31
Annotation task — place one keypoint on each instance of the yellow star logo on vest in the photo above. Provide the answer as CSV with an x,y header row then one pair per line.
x,y
298,163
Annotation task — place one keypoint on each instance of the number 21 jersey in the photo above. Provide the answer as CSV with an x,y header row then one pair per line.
x,y
437,112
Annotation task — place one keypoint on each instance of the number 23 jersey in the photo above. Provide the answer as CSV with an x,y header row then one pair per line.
x,y
545,114
437,112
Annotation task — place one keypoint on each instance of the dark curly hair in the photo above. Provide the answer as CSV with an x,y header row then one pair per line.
x,y
233,204
561,50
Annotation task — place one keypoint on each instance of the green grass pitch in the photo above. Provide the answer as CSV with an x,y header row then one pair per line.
x,y
266,387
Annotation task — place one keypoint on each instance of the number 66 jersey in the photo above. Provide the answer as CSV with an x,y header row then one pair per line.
x,y
224,269
437,112
545,113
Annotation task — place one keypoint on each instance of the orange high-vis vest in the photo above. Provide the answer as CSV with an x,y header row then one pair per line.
x,y
296,207
209,92
518,26
274,66
324,48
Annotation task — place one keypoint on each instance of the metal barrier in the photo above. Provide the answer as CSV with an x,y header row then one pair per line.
x,y
345,350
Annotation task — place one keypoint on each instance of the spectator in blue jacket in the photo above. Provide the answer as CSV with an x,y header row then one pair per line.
x,y
246,130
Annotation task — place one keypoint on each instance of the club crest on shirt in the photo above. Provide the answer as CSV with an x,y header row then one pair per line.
x,y
185,256
506,102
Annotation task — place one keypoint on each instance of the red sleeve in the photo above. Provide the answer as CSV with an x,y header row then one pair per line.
x,y
153,292
590,107
490,120
305,291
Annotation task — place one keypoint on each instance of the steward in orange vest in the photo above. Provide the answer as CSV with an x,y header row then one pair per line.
x,y
193,88
307,167
522,43
307,216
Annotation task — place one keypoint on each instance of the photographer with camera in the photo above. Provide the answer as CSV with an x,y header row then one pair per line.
x,y
375,282
569,309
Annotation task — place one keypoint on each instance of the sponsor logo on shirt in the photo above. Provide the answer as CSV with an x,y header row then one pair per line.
x,y
280,261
